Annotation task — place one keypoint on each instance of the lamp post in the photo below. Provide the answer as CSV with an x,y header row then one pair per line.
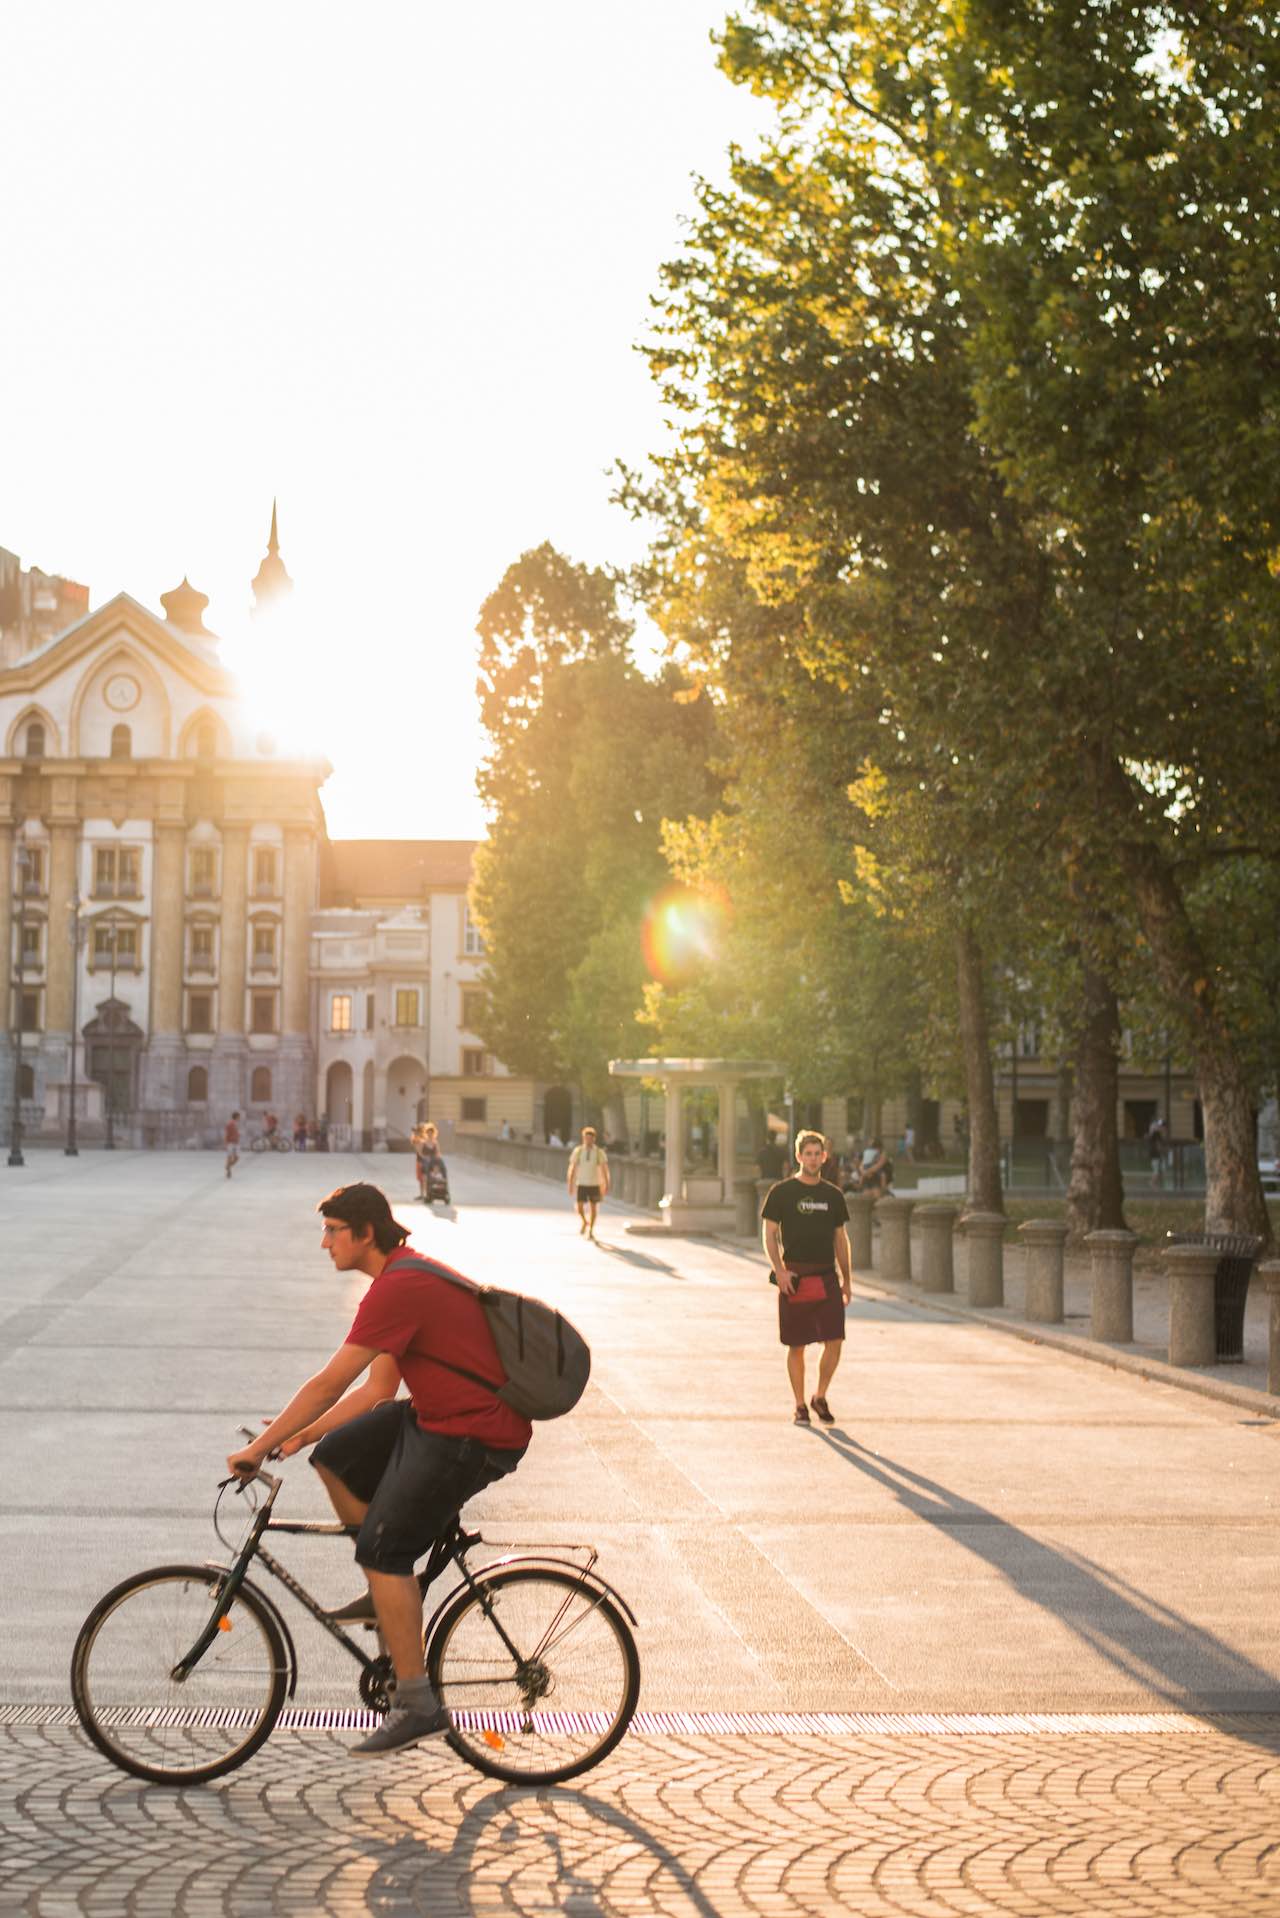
x,y
71,1149
15,1124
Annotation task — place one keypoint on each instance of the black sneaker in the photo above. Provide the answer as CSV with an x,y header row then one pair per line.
x,y
823,1410
802,1415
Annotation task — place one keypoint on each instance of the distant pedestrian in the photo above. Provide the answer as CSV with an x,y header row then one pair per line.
x,y
231,1140
807,1247
831,1169
1155,1149
588,1179
909,1144
299,1131
772,1162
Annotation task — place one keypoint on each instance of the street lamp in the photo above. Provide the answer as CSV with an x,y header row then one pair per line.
x,y
71,1149
15,1125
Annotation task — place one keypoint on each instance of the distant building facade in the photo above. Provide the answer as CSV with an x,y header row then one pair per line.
x,y
171,898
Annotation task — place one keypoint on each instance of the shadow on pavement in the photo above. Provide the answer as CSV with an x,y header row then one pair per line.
x,y
1147,1641
412,1876
636,1258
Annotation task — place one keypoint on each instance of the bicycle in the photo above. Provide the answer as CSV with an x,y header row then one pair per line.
x,y
271,1142
179,1674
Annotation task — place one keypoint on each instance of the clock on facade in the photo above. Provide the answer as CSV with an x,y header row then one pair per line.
x,y
121,693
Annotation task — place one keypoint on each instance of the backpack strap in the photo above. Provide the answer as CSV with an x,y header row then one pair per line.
x,y
464,1285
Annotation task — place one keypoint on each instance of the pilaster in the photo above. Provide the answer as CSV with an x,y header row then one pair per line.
x,y
231,938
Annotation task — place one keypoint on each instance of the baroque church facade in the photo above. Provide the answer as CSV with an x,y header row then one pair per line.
x,y
185,941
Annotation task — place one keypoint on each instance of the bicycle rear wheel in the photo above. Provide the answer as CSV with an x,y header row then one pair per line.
x,y
133,1709
557,1704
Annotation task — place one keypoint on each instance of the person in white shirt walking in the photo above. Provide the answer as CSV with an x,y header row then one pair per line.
x,y
588,1179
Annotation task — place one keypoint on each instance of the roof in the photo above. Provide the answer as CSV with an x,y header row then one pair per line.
x,y
358,872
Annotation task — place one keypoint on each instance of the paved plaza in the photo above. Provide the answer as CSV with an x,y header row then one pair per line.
x,y
1002,1640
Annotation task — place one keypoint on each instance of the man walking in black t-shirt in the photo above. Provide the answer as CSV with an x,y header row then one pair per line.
x,y
807,1247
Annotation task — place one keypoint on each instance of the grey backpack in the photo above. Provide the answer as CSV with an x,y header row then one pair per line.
x,y
546,1359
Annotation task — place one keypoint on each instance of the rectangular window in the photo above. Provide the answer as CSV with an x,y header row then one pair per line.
x,y
406,1006
474,1110
473,1062
263,1012
472,943
264,871
264,944
202,948
472,1008
340,1012
369,1007
31,942
30,1012
199,1012
29,874
117,872
120,942
204,872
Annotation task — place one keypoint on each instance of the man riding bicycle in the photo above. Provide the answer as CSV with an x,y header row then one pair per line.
x,y
398,1468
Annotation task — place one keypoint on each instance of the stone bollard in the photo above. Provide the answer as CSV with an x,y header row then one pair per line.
x,y
1111,1315
1045,1240
985,1234
1269,1273
1191,1270
937,1224
895,1237
861,1205
746,1219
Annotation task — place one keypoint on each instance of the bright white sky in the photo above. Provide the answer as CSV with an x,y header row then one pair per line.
x,y
388,263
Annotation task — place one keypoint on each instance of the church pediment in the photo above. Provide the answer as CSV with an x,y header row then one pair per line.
x,y
125,625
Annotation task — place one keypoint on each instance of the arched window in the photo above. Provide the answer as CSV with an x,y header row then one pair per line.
x,y
206,740
35,740
197,1086
26,1082
260,1086
121,742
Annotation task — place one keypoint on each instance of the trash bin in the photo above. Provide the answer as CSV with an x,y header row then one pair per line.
x,y
1238,1254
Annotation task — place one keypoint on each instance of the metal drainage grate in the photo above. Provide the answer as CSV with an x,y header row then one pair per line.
x,y
658,1724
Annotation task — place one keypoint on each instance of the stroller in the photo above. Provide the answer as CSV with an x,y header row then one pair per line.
x,y
437,1179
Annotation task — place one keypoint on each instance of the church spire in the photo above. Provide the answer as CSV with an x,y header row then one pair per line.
x,y
271,581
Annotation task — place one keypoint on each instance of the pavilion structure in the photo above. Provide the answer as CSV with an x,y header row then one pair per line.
x,y
698,1202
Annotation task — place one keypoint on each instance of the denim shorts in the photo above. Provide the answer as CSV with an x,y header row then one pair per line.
x,y
414,1482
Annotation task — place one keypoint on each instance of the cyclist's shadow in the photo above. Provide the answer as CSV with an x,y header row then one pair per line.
x,y
495,1851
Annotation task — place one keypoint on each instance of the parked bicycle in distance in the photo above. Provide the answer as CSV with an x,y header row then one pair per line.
x,y
179,1674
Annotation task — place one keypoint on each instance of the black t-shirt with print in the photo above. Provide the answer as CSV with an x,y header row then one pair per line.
x,y
810,1216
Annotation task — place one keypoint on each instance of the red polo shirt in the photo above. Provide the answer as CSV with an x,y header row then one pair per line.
x,y
418,1315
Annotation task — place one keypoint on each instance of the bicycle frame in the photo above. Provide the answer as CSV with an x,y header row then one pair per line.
x,y
451,1548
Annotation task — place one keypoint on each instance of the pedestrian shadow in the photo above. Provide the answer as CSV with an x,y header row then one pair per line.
x,y
413,1875
1150,1643
629,1257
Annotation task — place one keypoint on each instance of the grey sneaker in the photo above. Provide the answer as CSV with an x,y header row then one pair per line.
x,y
407,1723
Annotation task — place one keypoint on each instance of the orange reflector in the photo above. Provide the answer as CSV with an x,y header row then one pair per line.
x,y
494,1740
224,1623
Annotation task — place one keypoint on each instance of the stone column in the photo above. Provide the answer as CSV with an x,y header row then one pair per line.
x,y
227,1085
1111,1317
7,882
299,890
861,1205
675,1142
164,1056
58,955
1191,1270
746,1207
984,1235
1269,1273
937,1224
727,1139
895,1237
1045,1240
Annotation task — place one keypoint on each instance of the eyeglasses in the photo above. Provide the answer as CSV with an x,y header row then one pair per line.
x,y
334,1226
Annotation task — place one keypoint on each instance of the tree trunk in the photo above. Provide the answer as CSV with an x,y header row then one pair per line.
x,y
986,1193
1095,1196
1233,1199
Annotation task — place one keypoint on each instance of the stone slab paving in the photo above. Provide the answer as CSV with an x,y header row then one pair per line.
x,y
883,1825
991,1527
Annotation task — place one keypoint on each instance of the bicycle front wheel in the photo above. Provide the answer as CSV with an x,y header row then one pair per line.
x,y
143,1719
539,1672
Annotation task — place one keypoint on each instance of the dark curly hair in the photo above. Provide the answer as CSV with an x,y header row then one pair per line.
x,y
364,1205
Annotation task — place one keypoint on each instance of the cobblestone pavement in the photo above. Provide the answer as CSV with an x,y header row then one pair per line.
x,y
883,1825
